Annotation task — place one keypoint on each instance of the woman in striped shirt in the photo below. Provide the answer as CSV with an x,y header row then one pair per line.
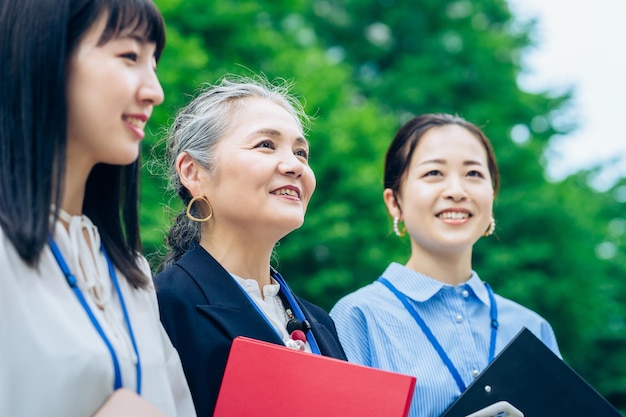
x,y
433,317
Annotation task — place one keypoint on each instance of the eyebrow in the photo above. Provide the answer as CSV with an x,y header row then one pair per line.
x,y
136,35
139,37
443,161
276,134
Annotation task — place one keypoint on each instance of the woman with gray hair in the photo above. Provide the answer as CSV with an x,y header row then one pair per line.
x,y
238,159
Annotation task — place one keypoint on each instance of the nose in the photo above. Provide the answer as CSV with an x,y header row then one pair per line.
x,y
151,91
291,165
454,189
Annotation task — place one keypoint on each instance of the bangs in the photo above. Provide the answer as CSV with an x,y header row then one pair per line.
x,y
137,17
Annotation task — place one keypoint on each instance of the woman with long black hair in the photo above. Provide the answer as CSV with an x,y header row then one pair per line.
x,y
78,312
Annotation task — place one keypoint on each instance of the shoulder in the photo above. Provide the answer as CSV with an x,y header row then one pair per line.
x,y
324,329
11,264
368,306
169,277
318,314
178,276
363,299
5,248
510,308
144,266
315,310
174,283
513,316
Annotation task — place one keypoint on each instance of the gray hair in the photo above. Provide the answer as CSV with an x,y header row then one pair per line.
x,y
200,126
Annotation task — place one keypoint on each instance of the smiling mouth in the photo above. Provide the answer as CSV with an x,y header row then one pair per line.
x,y
138,123
453,215
286,191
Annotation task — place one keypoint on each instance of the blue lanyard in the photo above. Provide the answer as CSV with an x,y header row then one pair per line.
x,y
297,311
71,280
493,314
295,308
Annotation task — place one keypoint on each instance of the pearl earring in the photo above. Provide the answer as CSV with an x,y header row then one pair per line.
x,y
396,229
491,228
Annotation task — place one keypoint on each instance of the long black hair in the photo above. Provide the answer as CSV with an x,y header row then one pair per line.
x,y
39,37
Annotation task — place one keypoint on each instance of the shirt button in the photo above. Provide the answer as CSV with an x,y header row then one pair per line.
x,y
465,293
475,373
459,318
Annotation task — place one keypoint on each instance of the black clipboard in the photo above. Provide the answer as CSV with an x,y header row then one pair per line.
x,y
532,378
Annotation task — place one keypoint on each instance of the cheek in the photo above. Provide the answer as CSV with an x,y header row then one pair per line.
x,y
419,195
79,118
308,181
487,197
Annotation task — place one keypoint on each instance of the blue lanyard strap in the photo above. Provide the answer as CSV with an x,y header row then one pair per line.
x,y
433,340
493,315
297,311
71,280
126,317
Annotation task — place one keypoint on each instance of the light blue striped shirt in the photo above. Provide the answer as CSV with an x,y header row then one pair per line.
x,y
376,330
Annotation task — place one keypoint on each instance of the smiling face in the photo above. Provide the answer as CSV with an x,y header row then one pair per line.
x,y
112,89
446,195
262,182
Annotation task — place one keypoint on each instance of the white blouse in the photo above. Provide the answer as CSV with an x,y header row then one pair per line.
x,y
53,362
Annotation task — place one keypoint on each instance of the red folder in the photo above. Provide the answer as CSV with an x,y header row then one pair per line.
x,y
263,379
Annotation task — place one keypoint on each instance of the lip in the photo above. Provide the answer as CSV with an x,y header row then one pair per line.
x,y
136,123
141,116
453,210
287,187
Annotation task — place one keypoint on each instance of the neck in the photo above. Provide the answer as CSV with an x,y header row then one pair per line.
x,y
74,184
243,257
451,269
72,202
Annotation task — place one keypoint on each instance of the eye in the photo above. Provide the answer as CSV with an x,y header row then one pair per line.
x,y
302,153
131,56
475,174
433,173
268,144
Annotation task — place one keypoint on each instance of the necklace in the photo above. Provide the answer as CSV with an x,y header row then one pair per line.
x,y
493,315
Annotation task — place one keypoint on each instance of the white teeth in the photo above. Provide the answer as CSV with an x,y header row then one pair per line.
x,y
286,191
135,122
456,215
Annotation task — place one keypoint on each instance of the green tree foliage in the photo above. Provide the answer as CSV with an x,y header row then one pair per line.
x,y
363,67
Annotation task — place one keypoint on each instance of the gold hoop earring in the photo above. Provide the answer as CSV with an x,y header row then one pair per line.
x,y
196,219
396,229
491,228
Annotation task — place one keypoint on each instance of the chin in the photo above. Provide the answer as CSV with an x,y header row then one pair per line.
x,y
292,224
124,159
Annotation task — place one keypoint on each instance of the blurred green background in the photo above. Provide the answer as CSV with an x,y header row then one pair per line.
x,y
363,68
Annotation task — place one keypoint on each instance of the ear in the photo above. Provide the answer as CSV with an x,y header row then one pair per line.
x,y
392,203
190,173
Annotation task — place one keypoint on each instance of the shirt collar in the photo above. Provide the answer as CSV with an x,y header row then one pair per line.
x,y
252,287
420,287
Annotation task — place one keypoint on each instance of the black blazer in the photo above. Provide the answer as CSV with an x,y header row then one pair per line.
x,y
203,309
